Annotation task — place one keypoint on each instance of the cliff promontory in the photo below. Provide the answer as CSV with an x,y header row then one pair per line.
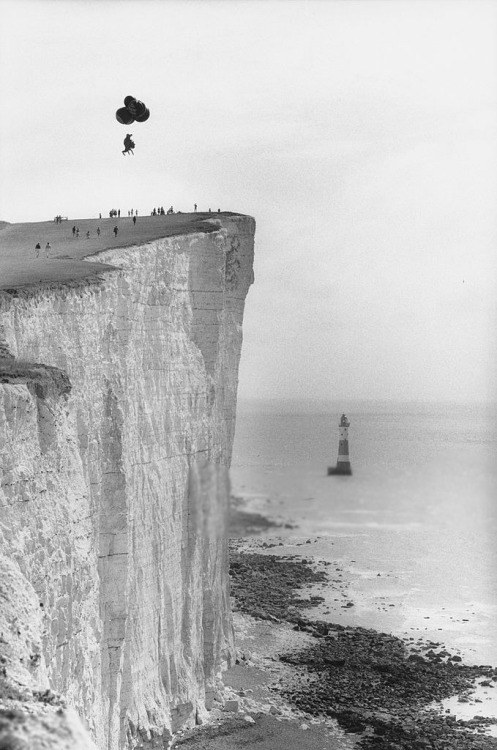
x,y
117,411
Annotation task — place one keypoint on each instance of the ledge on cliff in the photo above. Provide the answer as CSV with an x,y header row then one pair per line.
x,y
19,265
43,378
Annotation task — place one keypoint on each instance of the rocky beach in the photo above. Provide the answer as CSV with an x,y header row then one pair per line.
x,y
302,681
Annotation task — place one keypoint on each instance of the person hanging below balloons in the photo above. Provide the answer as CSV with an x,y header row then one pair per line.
x,y
133,111
129,144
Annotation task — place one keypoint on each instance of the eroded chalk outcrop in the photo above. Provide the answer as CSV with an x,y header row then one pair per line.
x,y
31,714
117,414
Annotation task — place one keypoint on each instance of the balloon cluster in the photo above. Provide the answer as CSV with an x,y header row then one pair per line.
x,y
133,110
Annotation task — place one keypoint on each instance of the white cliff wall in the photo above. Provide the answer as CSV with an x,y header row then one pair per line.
x,y
114,476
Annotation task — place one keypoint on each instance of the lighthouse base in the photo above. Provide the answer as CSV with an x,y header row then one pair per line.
x,y
342,469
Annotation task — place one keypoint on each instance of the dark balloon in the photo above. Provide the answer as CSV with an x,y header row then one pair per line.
x,y
124,116
144,116
133,110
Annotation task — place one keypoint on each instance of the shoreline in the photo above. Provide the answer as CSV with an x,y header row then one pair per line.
x,y
373,683
247,518
301,681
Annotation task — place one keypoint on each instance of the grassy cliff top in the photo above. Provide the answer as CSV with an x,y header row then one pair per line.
x,y
19,265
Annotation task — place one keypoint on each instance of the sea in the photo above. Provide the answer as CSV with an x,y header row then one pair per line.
x,y
411,536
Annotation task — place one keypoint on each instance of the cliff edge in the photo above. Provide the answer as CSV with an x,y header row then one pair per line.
x,y
117,414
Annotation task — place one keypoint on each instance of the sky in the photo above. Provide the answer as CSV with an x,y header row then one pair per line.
x,y
360,134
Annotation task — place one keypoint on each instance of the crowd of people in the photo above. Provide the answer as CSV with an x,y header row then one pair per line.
x,y
113,213
160,211
156,211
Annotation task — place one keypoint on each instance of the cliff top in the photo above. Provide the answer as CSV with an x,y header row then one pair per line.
x,y
20,266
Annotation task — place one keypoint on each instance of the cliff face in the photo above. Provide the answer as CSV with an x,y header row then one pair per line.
x,y
114,456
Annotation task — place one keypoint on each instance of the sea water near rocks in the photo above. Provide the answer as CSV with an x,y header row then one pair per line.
x,y
420,510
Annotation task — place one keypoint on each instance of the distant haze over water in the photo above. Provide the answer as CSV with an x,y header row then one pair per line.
x,y
366,406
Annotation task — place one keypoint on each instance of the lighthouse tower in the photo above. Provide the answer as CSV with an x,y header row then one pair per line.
x,y
343,461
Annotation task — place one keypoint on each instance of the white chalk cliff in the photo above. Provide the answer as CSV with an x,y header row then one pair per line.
x,y
117,415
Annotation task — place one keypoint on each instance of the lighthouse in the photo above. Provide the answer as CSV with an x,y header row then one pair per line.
x,y
343,461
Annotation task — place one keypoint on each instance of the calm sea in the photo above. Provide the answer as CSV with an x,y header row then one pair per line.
x,y
413,532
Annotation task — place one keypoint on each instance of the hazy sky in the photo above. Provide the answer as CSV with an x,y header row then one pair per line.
x,y
361,135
